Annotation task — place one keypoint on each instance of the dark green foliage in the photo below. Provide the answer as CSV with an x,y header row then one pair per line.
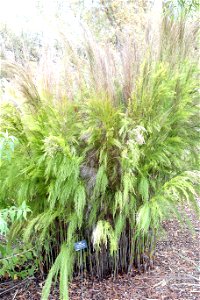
x,y
17,263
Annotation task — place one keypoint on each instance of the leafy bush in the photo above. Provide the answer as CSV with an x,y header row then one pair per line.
x,y
107,167
17,263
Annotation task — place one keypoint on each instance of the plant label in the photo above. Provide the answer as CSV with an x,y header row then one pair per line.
x,y
80,245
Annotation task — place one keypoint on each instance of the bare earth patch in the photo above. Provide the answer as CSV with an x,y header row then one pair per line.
x,y
175,276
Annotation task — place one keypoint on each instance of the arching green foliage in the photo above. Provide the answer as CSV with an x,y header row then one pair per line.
x,y
104,169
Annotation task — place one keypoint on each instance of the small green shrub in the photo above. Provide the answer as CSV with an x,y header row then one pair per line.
x,y
17,263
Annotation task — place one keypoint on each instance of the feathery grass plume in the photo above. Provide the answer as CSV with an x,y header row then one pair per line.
x,y
105,163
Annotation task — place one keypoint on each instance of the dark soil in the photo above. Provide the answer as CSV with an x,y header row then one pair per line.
x,y
175,275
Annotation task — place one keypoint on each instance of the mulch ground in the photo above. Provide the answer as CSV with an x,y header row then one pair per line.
x,y
175,275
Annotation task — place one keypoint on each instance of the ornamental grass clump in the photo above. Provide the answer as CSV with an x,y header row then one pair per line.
x,y
102,165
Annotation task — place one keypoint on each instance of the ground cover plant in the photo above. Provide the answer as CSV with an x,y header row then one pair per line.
x,y
105,161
